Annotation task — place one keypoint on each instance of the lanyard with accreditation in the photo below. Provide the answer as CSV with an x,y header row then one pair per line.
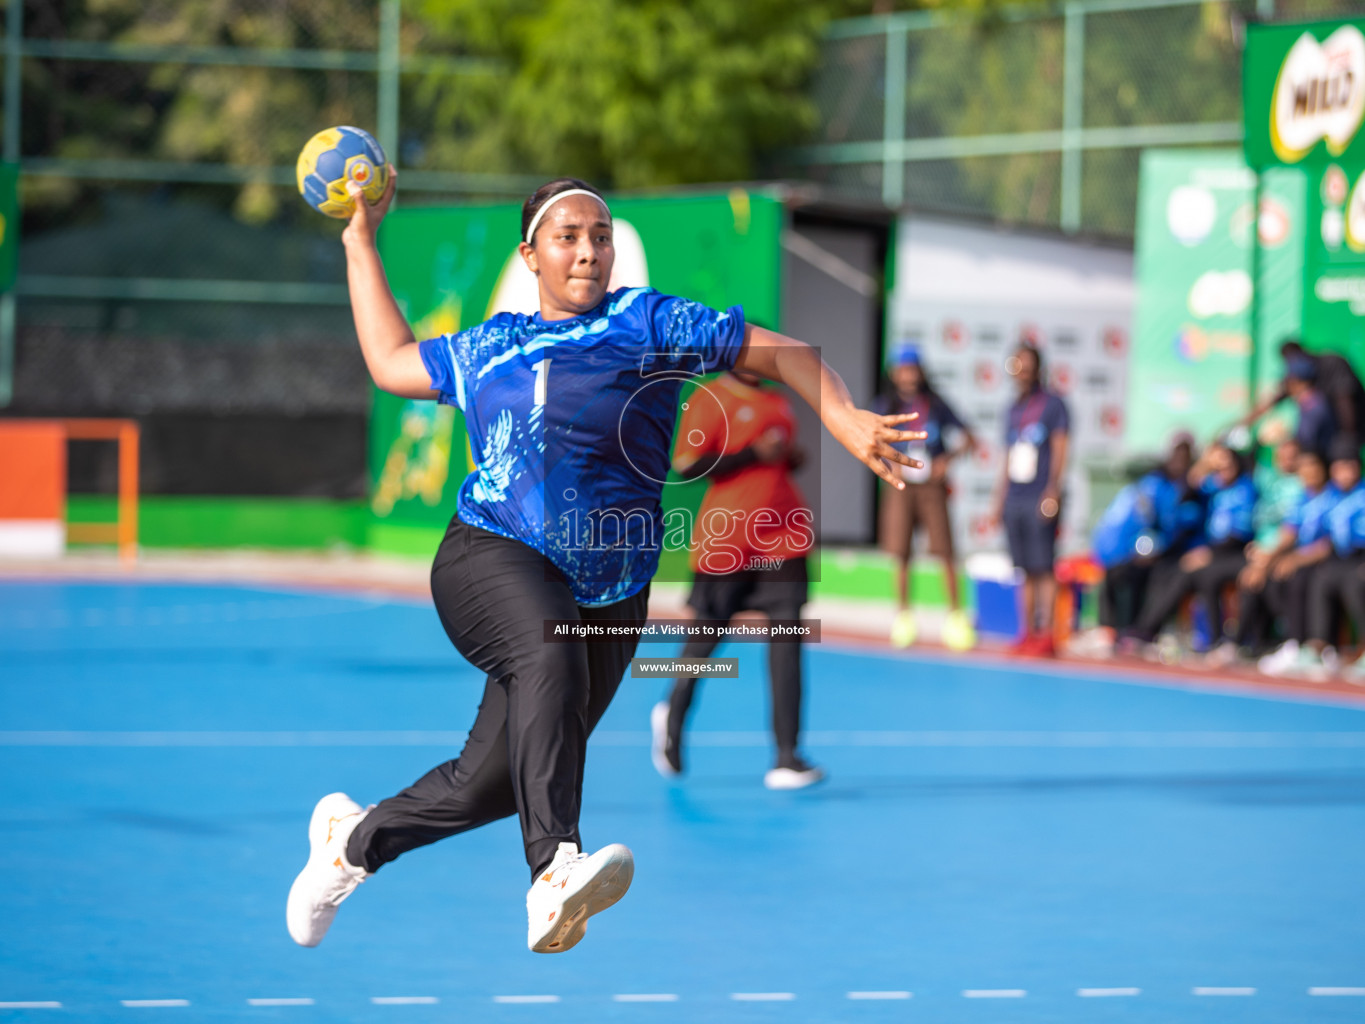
x,y
1023,454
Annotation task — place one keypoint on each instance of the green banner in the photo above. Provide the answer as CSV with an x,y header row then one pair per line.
x,y
1303,92
1334,272
1192,367
9,225
1285,220
452,267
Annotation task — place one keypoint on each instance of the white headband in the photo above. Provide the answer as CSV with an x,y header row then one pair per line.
x,y
531,231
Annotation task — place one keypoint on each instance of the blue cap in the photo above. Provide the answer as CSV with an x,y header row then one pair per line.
x,y
906,355
1301,368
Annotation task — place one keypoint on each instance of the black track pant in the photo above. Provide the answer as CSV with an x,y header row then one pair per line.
x,y
1125,587
1164,597
1285,600
525,752
780,594
1338,584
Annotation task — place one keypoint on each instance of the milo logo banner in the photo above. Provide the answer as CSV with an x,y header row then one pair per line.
x,y
1304,92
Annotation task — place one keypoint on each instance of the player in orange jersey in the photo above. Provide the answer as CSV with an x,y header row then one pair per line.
x,y
749,546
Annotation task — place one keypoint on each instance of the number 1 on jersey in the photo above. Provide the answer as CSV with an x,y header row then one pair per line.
x,y
542,369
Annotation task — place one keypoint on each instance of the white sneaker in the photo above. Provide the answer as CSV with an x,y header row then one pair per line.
x,y
1354,673
1223,655
1321,667
1280,661
327,878
666,760
573,888
1309,665
797,775
1093,643
1331,660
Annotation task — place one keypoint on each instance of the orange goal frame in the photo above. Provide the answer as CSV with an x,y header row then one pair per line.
x,y
123,531
126,433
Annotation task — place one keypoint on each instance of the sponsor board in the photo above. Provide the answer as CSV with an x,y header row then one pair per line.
x,y
1303,92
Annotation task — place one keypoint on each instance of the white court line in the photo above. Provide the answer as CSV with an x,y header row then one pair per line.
x,y
1330,991
646,997
404,1000
280,1002
526,999
244,738
879,995
1100,993
32,1004
961,738
154,1003
994,993
762,997
1207,991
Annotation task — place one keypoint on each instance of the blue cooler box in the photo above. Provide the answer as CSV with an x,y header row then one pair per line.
x,y
996,583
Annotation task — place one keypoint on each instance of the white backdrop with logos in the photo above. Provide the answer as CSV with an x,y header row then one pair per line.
x,y
967,295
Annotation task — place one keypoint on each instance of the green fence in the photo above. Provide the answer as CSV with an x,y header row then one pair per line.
x,y
1038,114
130,120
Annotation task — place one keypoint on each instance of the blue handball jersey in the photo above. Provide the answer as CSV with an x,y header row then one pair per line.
x,y
571,426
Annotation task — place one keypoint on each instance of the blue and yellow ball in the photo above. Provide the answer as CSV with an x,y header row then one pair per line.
x,y
334,157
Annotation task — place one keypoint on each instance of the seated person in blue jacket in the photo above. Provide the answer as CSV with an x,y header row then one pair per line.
x,y
1223,476
1274,585
1339,583
1149,523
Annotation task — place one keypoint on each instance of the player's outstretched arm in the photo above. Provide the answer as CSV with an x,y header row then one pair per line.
x,y
386,340
794,363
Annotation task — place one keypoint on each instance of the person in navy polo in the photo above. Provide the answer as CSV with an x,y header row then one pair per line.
x,y
1029,497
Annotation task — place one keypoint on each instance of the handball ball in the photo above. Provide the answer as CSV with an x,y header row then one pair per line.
x,y
334,157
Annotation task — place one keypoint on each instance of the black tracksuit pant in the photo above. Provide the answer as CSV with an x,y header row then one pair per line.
x,y
780,594
1285,600
1338,584
1124,590
1165,595
525,752
1121,594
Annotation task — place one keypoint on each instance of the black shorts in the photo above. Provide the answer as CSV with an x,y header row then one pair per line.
x,y
779,592
1032,537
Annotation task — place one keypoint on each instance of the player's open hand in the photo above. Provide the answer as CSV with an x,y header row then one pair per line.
x,y
870,438
364,223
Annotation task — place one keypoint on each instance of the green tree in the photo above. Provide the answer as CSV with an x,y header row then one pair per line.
x,y
630,94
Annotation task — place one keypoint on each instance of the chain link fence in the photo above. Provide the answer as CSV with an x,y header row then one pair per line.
x,y
168,268
1037,115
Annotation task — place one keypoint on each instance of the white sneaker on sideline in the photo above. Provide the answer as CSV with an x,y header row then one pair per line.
x,y
573,888
798,775
1093,643
1308,665
1354,673
1280,661
1331,660
1225,654
666,761
327,878
1323,667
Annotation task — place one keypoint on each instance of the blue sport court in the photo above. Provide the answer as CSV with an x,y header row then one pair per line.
x,y
994,844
